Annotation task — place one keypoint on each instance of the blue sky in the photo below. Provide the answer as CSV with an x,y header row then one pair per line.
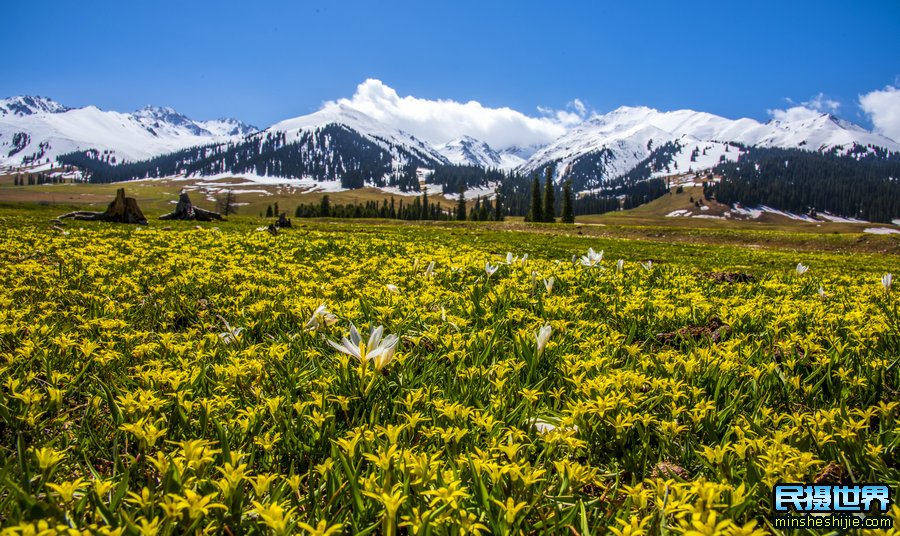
x,y
265,61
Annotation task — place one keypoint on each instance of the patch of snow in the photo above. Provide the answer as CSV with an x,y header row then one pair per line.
x,y
678,213
838,219
753,213
394,190
881,230
790,215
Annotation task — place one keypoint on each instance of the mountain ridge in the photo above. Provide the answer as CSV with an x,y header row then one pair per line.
x,y
38,129
593,153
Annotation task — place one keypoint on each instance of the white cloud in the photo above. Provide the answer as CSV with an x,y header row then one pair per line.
x,y
440,121
883,108
806,110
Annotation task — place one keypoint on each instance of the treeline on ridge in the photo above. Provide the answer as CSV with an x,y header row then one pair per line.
x,y
863,183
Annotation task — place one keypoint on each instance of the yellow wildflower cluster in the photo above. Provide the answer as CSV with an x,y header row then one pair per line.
x,y
345,380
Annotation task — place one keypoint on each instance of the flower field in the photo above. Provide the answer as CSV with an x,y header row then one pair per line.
x,y
353,379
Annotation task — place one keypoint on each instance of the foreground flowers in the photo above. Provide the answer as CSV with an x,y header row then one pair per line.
x,y
541,337
592,258
124,411
378,350
321,318
230,335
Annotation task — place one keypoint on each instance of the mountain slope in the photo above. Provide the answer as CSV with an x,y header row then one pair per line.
x,y
611,145
337,145
34,130
468,151
26,105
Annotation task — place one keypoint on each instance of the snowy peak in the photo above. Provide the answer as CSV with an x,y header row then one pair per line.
x,y
611,145
468,151
156,118
227,127
362,124
23,105
35,130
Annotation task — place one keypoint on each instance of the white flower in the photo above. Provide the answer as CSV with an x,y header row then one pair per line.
x,y
548,284
392,288
542,427
230,334
542,336
524,260
592,258
801,268
647,265
510,259
620,265
378,350
429,272
886,281
490,268
321,317
822,293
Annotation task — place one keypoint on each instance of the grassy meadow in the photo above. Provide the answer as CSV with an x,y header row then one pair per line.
x,y
505,378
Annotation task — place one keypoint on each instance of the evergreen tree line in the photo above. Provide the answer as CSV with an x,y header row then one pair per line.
x,y
864,183
548,199
349,158
32,179
418,209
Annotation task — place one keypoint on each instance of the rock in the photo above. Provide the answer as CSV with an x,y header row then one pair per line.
x,y
729,277
185,210
669,470
714,329
283,221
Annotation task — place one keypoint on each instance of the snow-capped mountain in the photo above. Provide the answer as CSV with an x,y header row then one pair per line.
x,y
339,140
471,152
27,105
387,137
36,129
608,146
337,147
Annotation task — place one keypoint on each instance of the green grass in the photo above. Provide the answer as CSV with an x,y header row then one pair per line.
x,y
164,379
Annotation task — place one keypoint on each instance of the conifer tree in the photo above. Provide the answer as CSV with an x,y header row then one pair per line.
x,y
461,205
498,205
325,207
549,197
536,214
568,204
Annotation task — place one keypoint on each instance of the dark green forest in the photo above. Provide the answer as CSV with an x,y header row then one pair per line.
x,y
864,183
